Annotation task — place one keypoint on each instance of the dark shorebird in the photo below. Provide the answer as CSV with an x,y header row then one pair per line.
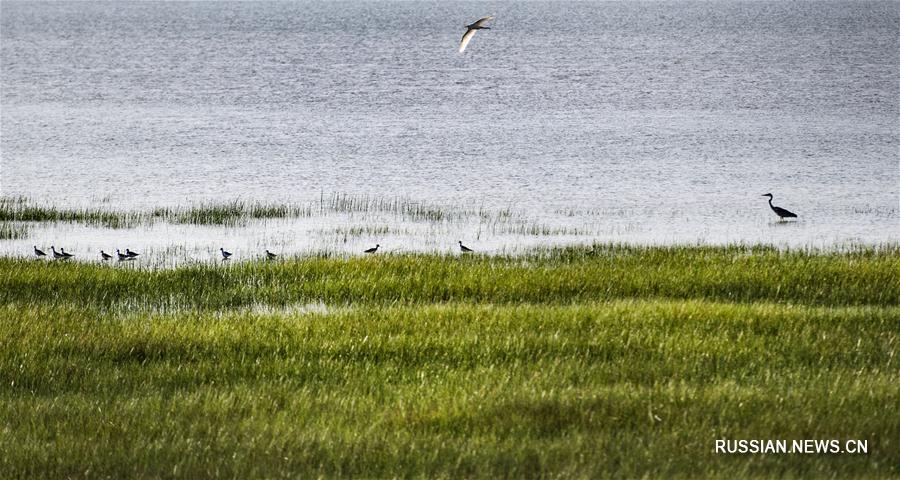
x,y
372,250
464,248
130,253
39,253
225,255
122,256
470,32
270,255
781,212
64,255
104,255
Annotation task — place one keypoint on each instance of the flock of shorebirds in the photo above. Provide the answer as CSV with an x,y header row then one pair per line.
x,y
62,254
129,255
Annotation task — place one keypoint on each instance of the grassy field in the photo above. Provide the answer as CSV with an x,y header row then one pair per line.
x,y
609,361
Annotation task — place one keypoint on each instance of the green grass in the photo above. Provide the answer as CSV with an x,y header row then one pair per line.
x,y
21,209
13,231
611,361
569,275
18,209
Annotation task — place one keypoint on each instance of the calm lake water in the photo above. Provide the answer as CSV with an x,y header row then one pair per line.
x,y
644,122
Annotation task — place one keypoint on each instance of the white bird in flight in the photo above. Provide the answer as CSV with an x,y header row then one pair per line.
x,y
470,32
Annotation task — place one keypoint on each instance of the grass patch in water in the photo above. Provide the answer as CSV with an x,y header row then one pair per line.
x,y
13,231
20,209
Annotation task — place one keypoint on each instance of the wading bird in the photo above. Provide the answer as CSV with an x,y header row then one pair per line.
x,y
464,248
39,253
225,255
781,212
104,255
270,255
470,32
64,255
122,256
130,253
373,249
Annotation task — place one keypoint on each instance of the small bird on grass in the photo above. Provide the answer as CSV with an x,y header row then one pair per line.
x,y
373,249
39,253
123,256
104,256
62,254
225,255
130,253
270,255
464,248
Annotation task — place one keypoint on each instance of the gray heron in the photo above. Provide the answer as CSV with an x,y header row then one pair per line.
x,y
781,212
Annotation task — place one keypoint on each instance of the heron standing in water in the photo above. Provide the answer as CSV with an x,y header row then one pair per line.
x,y
781,212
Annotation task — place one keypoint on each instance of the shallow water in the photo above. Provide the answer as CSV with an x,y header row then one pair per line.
x,y
644,122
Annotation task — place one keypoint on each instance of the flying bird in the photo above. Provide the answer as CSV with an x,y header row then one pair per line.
x,y
373,249
781,212
470,32
225,255
39,253
464,248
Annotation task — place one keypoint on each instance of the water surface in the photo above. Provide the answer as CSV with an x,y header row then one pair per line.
x,y
645,122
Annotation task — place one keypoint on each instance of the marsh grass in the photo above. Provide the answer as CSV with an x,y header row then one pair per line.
x,y
13,231
362,230
18,210
560,275
237,212
585,362
620,389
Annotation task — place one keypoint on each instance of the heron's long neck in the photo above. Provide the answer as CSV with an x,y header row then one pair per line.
x,y
770,201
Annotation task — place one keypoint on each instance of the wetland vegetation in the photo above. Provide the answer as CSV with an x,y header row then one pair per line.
x,y
585,362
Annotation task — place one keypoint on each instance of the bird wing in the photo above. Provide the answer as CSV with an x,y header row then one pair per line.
x,y
465,39
481,21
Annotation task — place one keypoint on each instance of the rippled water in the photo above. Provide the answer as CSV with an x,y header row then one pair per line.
x,y
647,122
